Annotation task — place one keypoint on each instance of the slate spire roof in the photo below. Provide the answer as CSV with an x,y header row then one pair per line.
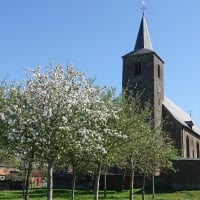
x,y
143,38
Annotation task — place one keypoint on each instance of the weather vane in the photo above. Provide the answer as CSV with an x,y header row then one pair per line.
x,y
143,6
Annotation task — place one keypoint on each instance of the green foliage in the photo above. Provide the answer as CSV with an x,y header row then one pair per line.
x,y
146,150
147,146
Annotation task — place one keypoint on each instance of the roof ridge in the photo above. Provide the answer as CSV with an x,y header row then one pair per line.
x,y
179,114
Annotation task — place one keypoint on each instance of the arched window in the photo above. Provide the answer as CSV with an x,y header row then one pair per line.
x,y
187,147
198,150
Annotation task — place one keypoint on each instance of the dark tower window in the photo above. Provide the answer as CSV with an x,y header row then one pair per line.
x,y
198,153
187,147
138,69
158,71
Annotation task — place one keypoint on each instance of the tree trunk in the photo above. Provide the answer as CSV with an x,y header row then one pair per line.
x,y
50,181
91,183
123,179
105,183
153,187
73,183
96,186
27,181
131,180
24,182
143,187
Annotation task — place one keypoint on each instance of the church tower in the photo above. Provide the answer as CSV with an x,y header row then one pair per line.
x,y
143,72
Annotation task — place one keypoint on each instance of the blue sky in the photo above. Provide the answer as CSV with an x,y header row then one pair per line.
x,y
94,34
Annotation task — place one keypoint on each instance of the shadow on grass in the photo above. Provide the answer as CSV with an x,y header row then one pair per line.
x,y
66,193
161,191
58,193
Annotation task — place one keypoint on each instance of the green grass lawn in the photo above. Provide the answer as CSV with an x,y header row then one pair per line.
x,y
40,194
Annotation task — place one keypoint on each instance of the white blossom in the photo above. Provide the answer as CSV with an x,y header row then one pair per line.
x,y
2,116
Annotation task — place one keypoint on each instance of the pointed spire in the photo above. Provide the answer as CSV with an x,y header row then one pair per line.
x,y
143,38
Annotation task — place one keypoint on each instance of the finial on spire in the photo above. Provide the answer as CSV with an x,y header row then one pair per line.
x,y
143,7
190,112
143,40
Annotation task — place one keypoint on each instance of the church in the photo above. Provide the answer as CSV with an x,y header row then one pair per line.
x,y
143,72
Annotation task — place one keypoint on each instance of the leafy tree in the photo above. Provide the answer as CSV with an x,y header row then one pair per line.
x,y
132,122
159,153
146,148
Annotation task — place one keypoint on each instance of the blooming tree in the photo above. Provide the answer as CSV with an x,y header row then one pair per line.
x,y
3,137
105,135
59,112
93,133
7,147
